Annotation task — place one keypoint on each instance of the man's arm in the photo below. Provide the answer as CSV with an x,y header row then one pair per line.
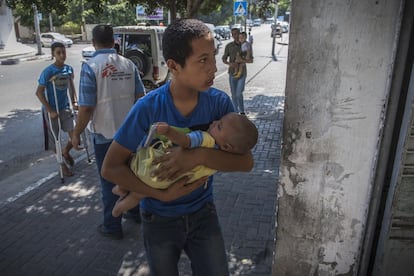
x,y
84,115
86,102
225,56
40,93
115,168
180,161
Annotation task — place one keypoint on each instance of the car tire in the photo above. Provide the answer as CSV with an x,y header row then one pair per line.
x,y
140,60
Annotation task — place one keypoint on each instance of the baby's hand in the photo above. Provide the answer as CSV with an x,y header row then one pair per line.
x,y
162,128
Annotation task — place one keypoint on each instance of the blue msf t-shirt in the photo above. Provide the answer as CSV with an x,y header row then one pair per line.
x,y
62,77
158,106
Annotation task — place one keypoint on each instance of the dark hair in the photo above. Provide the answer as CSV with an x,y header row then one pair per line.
x,y
244,133
103,35
178,36
56,45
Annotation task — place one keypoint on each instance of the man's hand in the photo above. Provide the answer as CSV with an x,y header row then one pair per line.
x,y
174,163
53,115
181,188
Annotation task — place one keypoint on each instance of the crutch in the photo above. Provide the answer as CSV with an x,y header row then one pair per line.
x,y
57,138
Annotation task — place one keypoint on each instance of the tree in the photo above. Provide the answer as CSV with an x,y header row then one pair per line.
x,y
122,12
115,13
187,8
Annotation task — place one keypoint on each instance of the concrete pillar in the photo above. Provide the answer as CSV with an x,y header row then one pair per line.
x,y
339,68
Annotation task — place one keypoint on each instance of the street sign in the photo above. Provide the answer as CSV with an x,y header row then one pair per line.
x,y
142,15
240,8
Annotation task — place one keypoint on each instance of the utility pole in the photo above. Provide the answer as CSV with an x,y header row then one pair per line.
x,y
37,30
83,23
274,34
50,22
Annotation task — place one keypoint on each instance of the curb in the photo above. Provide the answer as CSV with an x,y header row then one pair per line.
x,y
13,61
10,61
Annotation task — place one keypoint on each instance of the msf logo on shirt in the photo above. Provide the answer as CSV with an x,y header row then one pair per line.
x,y
108,70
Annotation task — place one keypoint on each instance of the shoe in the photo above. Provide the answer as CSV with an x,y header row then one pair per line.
x,y
114,236
132,216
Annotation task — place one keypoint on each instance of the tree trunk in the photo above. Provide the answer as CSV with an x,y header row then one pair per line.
x,y
193,6
173,9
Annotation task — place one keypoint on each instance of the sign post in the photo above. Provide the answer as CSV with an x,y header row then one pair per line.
x,y
239,9
37,30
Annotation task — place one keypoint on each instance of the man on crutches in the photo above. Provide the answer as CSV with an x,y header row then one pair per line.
x,y
55,82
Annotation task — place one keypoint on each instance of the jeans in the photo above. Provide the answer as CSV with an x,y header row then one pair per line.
x,y
198,234
111,224
237,88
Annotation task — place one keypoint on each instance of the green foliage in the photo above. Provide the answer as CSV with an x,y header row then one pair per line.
x,y
266,8
222,15
122,12
70,27
283,6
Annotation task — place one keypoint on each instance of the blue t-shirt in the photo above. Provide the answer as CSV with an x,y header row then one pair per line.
x,y
62,77
158,106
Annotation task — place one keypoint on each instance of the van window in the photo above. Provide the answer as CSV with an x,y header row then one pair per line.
x,y
138,41
118,41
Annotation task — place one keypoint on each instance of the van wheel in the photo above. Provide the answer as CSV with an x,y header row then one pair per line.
x,y
139,59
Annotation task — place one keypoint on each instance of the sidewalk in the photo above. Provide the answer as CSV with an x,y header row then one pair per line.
x,y
51,230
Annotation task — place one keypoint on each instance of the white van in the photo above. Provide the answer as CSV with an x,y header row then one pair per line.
x,y
143,45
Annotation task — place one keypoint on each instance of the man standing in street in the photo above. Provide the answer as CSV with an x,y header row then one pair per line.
x,y
109,86
237,70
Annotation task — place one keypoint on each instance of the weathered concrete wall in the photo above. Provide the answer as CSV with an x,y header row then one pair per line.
x,y
339,68
7,35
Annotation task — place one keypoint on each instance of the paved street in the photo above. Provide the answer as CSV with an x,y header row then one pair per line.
x,y
50,228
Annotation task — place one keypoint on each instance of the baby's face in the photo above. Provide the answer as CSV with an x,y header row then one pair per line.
x,y
221,129
242,38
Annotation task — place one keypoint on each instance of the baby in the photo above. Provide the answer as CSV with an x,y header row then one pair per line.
x,y
233,133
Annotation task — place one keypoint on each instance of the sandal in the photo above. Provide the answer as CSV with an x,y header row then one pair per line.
x,y
68,158
66,171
